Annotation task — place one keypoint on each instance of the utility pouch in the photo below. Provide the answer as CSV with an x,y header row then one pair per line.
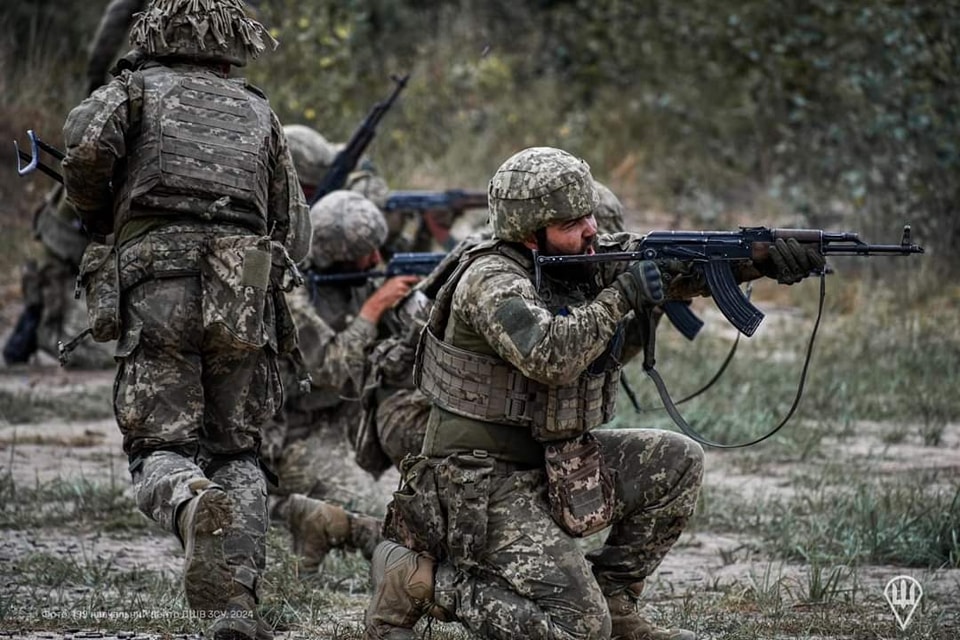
x,y
100,278
235,272
415,515
579,485
463,481
566,411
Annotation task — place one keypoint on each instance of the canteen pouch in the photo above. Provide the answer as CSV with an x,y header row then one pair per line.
x,y
579,485
415,516
235,272
100,278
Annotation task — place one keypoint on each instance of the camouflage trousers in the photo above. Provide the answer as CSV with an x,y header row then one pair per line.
x,y
402,423
190,406
161,482
533,581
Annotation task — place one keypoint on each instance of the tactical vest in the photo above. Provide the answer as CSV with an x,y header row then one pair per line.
x,y
470,384
201,148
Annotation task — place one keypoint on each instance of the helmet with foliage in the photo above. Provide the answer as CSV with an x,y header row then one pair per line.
x,y
205,31
609,212
346,227
312,153
538,187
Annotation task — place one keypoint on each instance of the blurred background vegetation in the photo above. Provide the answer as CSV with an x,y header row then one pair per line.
x,y
841,114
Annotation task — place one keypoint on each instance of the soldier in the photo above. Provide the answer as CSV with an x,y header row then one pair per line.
x,y
190,172
338,323
520,373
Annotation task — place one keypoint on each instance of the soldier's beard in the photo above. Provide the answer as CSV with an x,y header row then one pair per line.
x,y
576,272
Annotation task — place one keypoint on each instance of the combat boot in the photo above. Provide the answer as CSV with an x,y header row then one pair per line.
x,y
402,592
239,620
629,624
201,523
318,526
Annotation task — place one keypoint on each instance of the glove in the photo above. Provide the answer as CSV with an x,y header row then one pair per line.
x,y
641,285
793,261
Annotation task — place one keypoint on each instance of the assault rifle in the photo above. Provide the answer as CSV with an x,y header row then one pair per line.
x,y
401,264
454,200
347,158
712,252
34,163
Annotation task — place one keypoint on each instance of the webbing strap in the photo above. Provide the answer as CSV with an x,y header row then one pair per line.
x,y
670,406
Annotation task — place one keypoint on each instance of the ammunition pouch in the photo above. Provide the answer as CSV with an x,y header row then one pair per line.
x,y
580,486
463,482
100,278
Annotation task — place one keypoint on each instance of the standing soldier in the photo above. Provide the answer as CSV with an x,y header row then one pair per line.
x,y
521,371
189,171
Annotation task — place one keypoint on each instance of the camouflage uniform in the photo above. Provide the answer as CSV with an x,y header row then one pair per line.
x,y
317,428
507,569
190,172
396,407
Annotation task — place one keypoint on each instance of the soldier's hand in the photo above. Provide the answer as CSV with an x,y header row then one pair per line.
x,y
387,296
792,261
641,285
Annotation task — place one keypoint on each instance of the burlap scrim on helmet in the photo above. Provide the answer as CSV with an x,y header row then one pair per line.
x,y
346,227
200,30
537,187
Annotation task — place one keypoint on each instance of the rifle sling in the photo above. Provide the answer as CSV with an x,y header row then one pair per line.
x,y
649,361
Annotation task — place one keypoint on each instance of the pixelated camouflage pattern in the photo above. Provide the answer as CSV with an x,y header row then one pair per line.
x,y
579,485
200,30
97,128
497,310
371,186
162,486
235,272
312,153
609,211
176,384
346,227
401,419
535,581
536,187
319,426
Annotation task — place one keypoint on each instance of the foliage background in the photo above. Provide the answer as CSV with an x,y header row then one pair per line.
x,y
819,112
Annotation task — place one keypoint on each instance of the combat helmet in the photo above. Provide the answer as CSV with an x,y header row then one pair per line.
x,y
367,182
312,153
206,31
346,227
609,213
537,187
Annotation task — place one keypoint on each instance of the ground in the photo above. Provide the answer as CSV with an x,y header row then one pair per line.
x,y
77,561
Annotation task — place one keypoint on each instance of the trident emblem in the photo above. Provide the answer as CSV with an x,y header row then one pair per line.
x,y
903,593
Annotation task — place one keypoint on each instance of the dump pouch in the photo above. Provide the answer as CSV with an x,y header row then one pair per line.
x,y
235,272
100,278
580,487
415,516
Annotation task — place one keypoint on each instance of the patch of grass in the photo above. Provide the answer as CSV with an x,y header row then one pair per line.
x,y
76,502
79,402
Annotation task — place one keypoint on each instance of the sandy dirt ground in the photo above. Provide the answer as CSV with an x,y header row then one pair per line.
x,y
702,564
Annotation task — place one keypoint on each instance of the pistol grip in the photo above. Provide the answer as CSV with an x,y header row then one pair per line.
x,y
730,300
